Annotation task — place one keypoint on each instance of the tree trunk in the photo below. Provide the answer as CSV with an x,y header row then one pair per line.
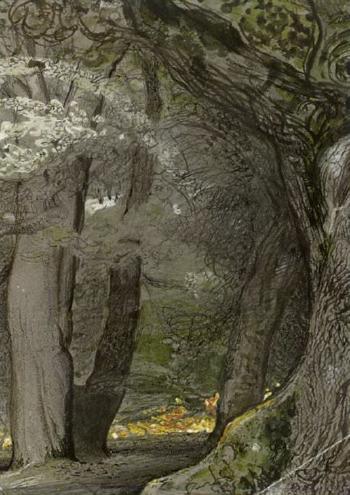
x,y
271,283
97,403
39,321
321,463
7,246
40,296
323,405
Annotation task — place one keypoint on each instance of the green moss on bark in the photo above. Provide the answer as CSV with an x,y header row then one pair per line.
x,y
253,452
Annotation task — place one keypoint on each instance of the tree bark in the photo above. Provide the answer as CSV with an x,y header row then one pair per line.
x,y
40,296
321,452
275,275
7,246
39,321
97,403
104,389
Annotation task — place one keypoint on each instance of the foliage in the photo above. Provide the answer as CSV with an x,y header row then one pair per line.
x,y
262,73
166,420
38,132
284,28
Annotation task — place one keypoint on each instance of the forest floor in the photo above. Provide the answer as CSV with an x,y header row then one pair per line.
x,y
133,463
148,444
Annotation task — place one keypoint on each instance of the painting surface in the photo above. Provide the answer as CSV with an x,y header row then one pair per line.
x,y
174,247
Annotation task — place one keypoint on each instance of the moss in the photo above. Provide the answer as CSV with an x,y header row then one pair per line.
x,y
253,452
274,27
261,442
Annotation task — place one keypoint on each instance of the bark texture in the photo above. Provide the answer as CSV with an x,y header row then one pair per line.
x,y
274,277
6,245
40,297
97,403
41,364
322,443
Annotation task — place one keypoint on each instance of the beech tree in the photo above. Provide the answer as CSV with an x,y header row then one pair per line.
x,y
305,127
291,96
49,146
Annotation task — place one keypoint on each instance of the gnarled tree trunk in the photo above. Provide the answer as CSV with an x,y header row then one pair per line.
x,y
275,276
321,462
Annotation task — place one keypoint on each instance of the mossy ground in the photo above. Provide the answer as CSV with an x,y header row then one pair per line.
x,y
253,452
